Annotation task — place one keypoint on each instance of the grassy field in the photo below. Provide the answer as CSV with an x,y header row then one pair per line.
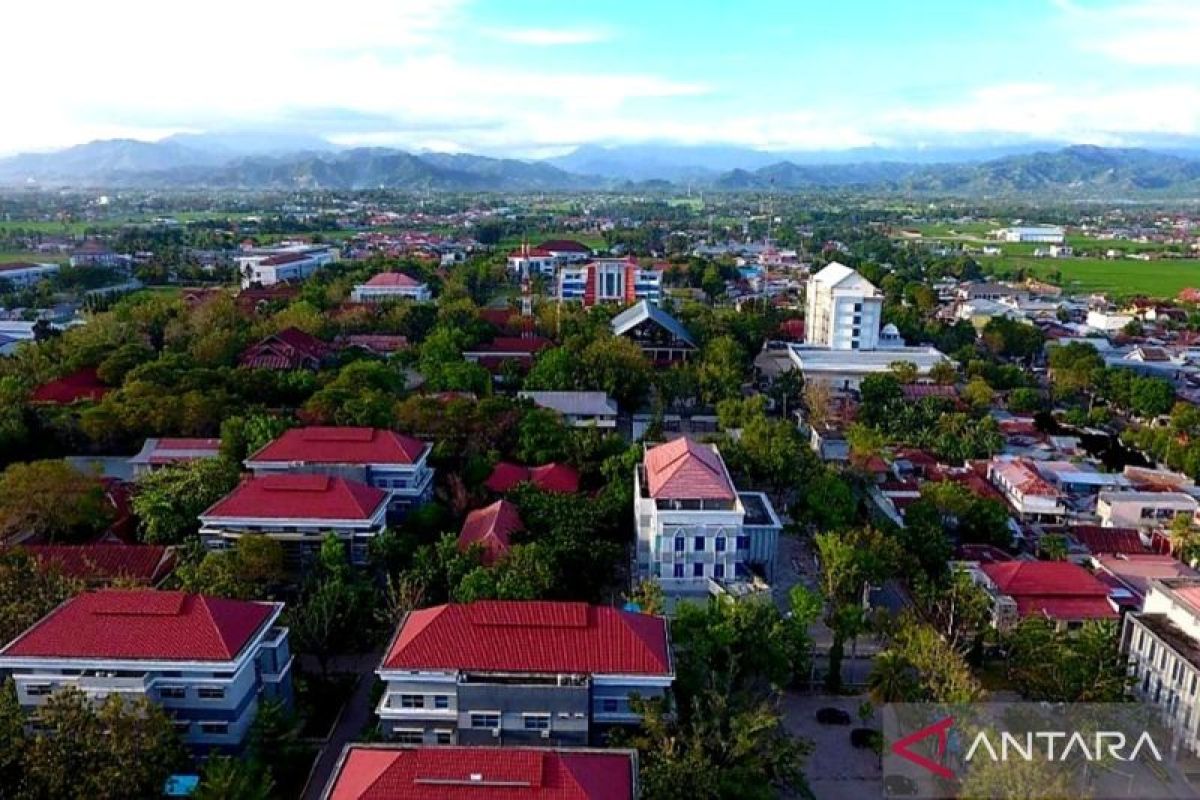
x,y
591,240
1120,277
11,256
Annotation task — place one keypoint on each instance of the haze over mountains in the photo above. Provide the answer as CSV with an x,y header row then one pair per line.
x,y
247,160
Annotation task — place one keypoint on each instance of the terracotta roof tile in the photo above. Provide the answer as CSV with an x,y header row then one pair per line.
x,y
293,496
687,470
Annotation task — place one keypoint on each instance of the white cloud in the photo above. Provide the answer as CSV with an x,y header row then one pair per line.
x,y
549,37
1155,33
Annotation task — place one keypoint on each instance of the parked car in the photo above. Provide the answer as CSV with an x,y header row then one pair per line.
x,y
833,716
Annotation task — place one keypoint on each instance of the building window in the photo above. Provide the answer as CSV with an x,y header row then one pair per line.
x,y
38,689
678,573
720,544
214,728
536,722
182,726
679,543
718,570
743,542
172,693
697,570
412,701
443,737
408,735
739,570
485,719
211,693
441,701
698,544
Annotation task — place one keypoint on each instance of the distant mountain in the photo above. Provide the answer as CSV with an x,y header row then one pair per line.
x,y
100,160
231,144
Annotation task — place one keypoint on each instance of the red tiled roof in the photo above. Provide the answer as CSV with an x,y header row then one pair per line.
x,y
530,252
792,329
393,279
1099,540
293,496
524,637
491,527
1058,589
104,563
481,773
291,348
552,477
283,258
514,344
1022,477
80,385
334,445
684,469
564,246
500,318
1066,608
144,624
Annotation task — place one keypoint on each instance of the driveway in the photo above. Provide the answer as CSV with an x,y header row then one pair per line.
x,y
835,770
350,723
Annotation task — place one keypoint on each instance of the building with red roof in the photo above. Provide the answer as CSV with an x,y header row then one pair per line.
x,y
491,527
1029,495
520,672
566,250
160,452
695,530
291,348
552,477
610,280
1136,572
80,386
103,564
389,287
391,461
527,261
299,510
1060,591
390,772
258,300
207,661
379,344
517,350
285,263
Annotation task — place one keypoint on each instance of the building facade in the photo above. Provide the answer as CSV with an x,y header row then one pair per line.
x,y
844,310
520,673
207,661
20,276
609,280
390,287
283,264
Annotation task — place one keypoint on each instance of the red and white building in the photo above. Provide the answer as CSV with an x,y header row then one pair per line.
x,y
491,527
158,453
1065,593
526,261
386,460
290,348
287,263
390,772
389,287
1029,495
520,673
299,511
207,661
610,280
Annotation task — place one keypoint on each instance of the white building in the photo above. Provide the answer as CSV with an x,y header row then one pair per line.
x,y
693,526
845,310
526,261
207,661
1030,495
283,264
390,286
1144,509
22,275
1162,643
610,280
1108,321
1040,234
578,409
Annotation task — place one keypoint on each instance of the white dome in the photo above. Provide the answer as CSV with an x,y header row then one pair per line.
x,y
890,331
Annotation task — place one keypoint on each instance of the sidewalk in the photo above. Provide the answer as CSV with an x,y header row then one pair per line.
x,y
354,717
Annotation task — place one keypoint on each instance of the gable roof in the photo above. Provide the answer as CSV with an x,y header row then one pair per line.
x,y
531,637
684,469
564,246
170,451
393,279
391,772
1054,589
340,445
104,563
574,403
491,526
80,385
552,477
144,624
290,348
644,310
299,496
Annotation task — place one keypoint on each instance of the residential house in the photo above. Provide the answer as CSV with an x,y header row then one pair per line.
x,y
390,286
291,348
1145,509
386,460
552,477
1029,495
693,527
1135,573
207,661
519,350
391,772
520,673
661,337
83,385
299,511
258,300
577,409
491,528
160,452
1064,593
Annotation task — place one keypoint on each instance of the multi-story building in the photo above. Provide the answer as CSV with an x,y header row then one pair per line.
x,y
844,310
1162,642
520,673
693,526
1029,495
389,287
207,661
298,511
1145,509
393,462
527,261
21,275
283,264
390,772
610,280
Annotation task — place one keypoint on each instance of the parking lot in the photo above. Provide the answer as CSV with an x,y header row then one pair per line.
x,y
835,769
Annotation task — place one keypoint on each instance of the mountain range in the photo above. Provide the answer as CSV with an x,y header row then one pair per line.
x,y
249,161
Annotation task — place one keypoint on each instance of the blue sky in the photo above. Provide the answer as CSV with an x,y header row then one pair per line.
x,y
532,77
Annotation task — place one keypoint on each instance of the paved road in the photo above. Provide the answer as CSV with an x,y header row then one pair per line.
x,y
355,716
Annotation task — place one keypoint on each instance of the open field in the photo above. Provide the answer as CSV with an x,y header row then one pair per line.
x,y
1121,277
11,256
536,238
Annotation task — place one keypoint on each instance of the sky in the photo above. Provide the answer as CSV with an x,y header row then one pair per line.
x,y
533,78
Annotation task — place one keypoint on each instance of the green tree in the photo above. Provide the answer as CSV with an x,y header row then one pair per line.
x,y
29,591
249,571
243,435
1151,397
905,371
1088,665
51,500
978,394
617,366
226,778
721,370
169,501
892,679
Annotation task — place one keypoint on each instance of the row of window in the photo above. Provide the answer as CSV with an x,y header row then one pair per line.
x,y
699,543
439,701
417,736
184,727
718,570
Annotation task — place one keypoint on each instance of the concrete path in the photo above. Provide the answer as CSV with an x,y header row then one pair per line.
x,y
350,722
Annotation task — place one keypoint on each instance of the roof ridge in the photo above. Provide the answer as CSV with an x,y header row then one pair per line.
x,y
212,620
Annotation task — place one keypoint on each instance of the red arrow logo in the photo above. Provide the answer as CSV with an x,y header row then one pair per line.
x,y
939,729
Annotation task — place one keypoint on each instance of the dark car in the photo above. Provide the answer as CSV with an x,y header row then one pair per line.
x,y
833,716
865,738
899,786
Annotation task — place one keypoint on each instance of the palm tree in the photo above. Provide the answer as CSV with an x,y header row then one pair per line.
x,y
892,679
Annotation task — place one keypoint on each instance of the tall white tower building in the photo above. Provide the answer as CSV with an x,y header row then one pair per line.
x,y
844,310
